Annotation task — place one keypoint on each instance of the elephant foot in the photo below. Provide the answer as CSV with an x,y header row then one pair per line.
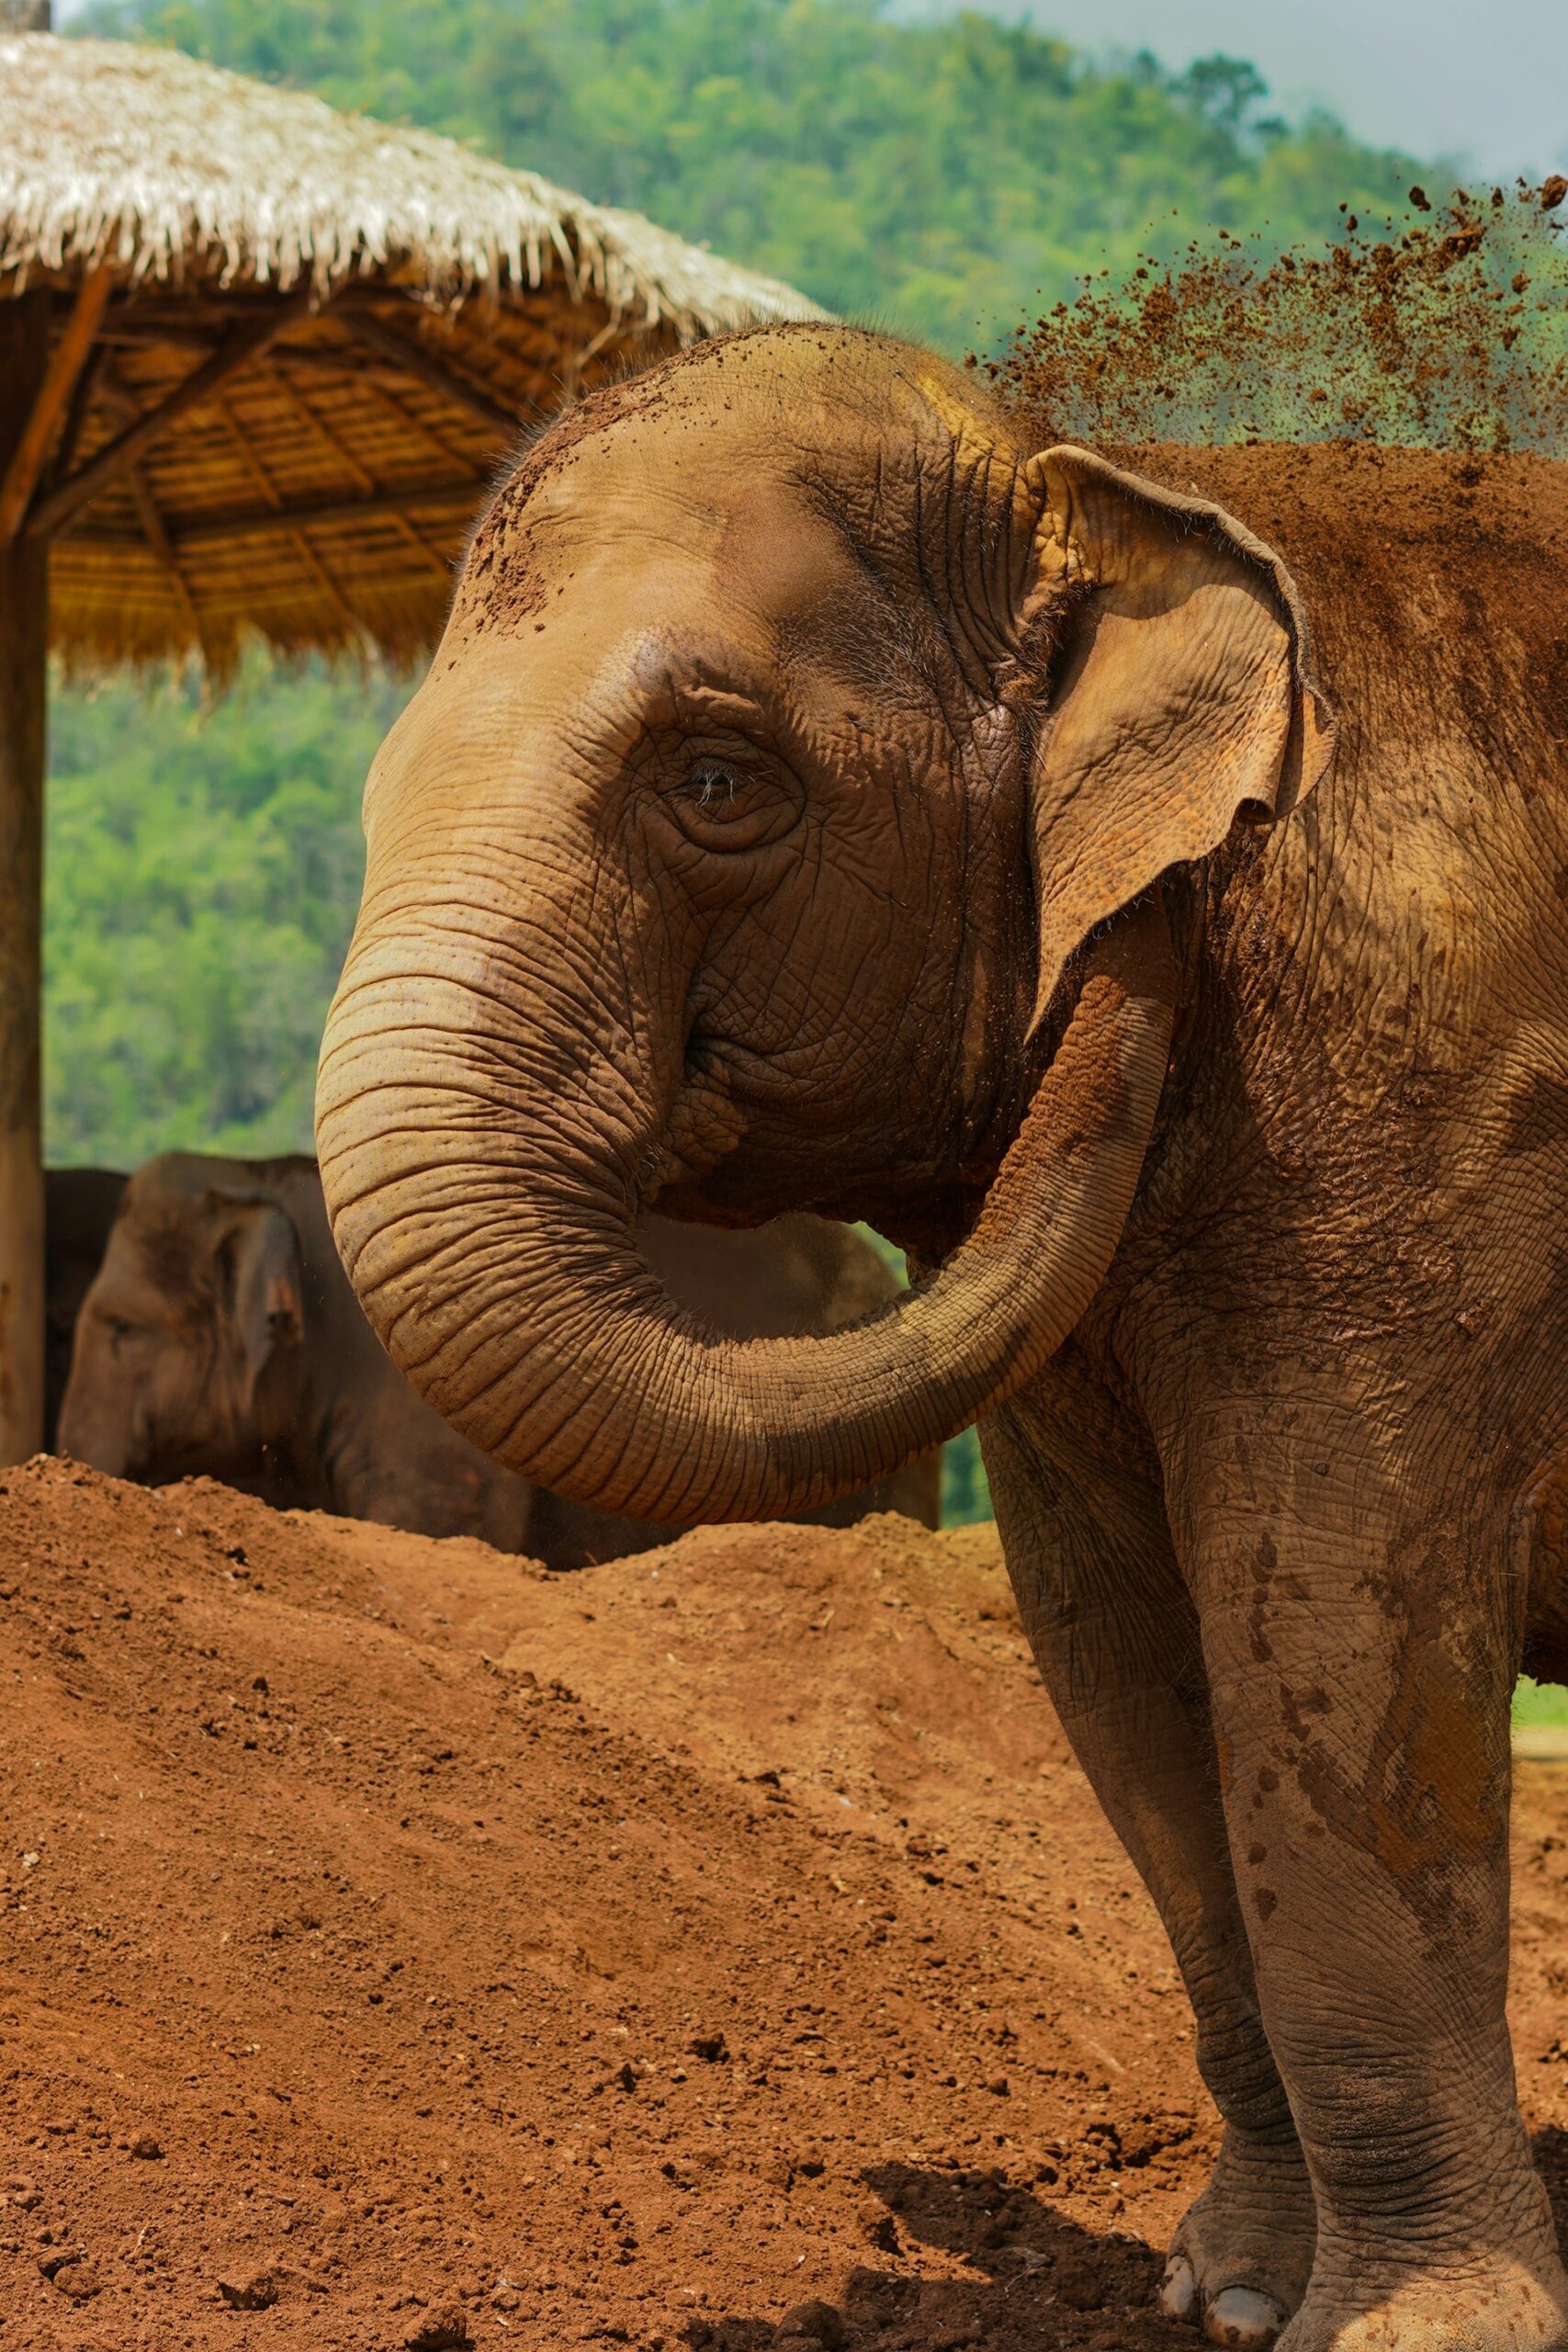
x,y
1242,2253
1496,2304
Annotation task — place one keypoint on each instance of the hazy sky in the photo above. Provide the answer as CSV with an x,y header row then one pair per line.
x,y
1484,78
1487,77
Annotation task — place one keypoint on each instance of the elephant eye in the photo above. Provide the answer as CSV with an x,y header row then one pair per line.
x,y
726,807
712,789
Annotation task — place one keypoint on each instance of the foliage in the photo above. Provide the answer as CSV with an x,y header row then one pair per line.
x,y
203,873
939,177
1540,1702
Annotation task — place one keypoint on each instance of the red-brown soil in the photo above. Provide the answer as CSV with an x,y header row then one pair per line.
x,y
631,1957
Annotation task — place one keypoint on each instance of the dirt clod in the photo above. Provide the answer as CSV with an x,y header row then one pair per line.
x,y
444,2329
247,2289
77,2281
813,2323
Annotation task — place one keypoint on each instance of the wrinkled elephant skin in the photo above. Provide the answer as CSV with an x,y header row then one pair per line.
x,y
1142,893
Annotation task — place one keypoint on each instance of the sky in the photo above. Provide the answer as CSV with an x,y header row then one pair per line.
x,y
1484,79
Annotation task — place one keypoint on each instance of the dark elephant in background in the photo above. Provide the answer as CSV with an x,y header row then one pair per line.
x,y
79,1205
221,1338
825,796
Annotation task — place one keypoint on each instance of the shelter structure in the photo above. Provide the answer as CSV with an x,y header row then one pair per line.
x,y
259,362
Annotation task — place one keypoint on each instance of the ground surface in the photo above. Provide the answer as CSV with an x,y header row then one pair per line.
x,y
386,1926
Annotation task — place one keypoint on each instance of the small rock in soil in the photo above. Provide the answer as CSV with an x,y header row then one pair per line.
x,y
147,2145
250,2290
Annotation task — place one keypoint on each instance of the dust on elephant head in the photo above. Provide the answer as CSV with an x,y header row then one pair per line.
x,y
794,739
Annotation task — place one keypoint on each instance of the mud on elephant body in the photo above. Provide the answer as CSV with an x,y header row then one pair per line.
x,y
825,797
220,1337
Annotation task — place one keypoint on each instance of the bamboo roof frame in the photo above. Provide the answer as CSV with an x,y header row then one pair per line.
x,y
226,243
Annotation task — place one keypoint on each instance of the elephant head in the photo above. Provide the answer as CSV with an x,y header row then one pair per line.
x,y
189,1344
780,826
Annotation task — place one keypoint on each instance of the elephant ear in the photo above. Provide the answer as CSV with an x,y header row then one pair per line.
x,y
1181,697
261,1280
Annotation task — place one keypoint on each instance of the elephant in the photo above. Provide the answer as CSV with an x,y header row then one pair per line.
x,y
1135,883
79,1205
221,1338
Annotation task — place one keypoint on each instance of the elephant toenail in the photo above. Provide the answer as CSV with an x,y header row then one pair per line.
x,y
1179,2289
1241,2317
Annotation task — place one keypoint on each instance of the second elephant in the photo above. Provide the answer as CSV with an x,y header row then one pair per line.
x,y
221,1338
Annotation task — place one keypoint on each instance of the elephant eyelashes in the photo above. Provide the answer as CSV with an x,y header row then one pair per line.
x,y
712,789
720,807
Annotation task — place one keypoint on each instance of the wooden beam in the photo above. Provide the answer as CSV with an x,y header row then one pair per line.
x,y
238,348
157,535
448,497
414,359
251,461
345,458
66,362
461,498
151,316
24,685
121,402
76,414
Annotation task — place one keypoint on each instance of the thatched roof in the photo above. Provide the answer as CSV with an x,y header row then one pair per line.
x,y
399,304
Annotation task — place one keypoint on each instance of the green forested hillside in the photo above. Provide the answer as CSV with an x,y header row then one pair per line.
x,y
941,177
949,178
203,870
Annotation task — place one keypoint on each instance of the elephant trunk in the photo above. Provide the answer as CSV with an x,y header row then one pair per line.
x,y
492,1243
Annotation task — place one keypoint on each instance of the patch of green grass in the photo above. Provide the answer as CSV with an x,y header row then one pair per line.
x,y
1540,1702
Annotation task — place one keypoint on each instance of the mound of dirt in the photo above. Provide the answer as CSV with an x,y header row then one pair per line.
x,y
403,1947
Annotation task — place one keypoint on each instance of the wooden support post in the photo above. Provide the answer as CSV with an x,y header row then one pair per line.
x,y
70,357
24,689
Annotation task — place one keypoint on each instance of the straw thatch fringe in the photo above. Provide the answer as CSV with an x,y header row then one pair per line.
x,y
322,339
167,167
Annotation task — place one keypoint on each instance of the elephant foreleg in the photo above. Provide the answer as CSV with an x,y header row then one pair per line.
x,y
1117,1641
1360,1631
